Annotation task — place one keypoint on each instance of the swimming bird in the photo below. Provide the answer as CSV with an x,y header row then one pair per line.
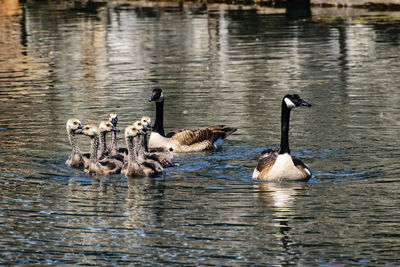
x,y
114,149
160,154
185,140
104,128
280,165
147,127
95,166
76,159
132,168
142,155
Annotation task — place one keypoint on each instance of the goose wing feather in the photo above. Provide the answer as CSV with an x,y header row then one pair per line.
x,y
266,161
211,133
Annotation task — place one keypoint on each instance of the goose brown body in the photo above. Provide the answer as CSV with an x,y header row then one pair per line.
x,y
264,169
185,140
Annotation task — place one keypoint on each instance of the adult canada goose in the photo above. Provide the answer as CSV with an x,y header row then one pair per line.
x,y
76,159
160,154
280,165
114,149
184,140
133,168
105,166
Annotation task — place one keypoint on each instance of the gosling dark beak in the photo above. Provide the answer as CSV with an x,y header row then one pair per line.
x,y
304,103
115,129
149,126
79,131
114,121
141,132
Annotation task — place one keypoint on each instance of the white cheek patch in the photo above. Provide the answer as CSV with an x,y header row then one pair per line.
x,y
289,103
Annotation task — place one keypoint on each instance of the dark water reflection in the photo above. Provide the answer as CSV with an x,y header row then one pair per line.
x,y
219,65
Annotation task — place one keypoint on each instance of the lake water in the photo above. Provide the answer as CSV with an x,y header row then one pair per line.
x,y
220,65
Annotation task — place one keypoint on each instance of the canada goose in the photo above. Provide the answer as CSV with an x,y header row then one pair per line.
x,y
184,140
76,159
105,166
133,168
161,154
280,165
114,149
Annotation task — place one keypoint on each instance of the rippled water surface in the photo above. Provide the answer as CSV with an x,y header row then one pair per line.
x,y
219,65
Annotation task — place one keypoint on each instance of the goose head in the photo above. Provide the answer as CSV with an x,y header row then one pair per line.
x,y
139,126
157,95
107,126
90,130
145,121
293,101
133,131
113,118
74,125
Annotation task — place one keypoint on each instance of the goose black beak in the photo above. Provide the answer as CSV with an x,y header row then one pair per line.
x,y
79,131
306,104
157,93
115,129
153,98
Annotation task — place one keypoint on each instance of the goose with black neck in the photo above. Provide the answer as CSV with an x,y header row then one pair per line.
x,y
281,165
184,140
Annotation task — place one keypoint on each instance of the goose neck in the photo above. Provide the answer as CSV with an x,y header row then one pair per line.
x,y
113,142
103,144
131,149
159,123
285,118
139,144
94,147
73,142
